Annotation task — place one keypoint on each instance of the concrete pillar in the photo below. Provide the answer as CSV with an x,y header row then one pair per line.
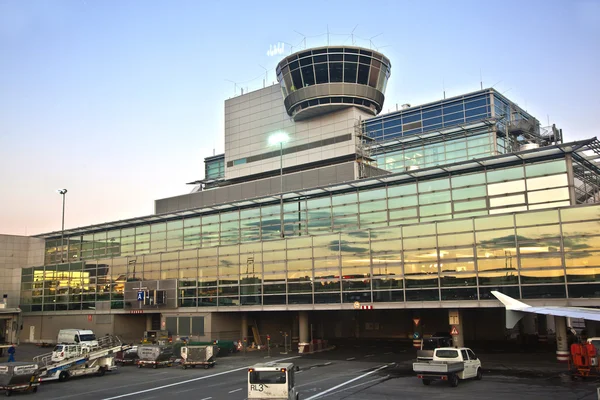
x,y
303,334
149,323
456,327
244,327
562,344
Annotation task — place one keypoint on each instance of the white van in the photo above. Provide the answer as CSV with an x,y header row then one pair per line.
x,y
65,351
85,338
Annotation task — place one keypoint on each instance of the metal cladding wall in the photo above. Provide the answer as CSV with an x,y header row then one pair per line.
x,y
262,187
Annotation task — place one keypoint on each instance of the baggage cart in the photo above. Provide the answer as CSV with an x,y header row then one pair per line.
x,y
192,356
19,377
154,356
128,357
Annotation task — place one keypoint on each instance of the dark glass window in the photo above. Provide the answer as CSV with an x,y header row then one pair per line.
x,y
584,291
351,57
543,292
485,293
320,59
325,298
432,113
309,75
350,72
296,79
294,65
336,72
365,60
374,76
321,73
355,51
306,61
363,74
422,295
452,108
459,294
336,57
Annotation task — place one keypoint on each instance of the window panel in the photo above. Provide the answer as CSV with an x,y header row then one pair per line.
x,y
553,167
550,194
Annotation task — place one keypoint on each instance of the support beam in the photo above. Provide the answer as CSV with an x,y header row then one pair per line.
x,y
562,344
244,327
456,327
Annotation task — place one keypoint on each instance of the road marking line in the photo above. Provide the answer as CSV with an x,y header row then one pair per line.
x,y
183,391
362,384
370,355
389,352
348,382
190,380
236,390
206,398
351,358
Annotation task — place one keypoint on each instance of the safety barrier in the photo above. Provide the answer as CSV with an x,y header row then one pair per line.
x,y
417,343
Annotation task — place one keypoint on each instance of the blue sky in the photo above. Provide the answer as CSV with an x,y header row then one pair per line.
x,y
120,101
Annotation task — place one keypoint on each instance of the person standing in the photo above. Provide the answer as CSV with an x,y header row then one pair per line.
x,y
11,353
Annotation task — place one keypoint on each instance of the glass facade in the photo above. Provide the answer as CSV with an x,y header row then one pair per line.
x,y
550,253
442,237
430,117
214,167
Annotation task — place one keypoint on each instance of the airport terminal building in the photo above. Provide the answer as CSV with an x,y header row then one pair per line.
x,y
326,219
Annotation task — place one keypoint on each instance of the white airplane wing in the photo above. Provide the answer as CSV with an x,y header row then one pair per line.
x,y
516,308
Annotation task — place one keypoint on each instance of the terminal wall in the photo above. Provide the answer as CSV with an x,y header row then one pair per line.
x,y
130,328
45,329
17,252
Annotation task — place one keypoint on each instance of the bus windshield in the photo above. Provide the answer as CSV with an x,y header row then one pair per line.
x,y
267,377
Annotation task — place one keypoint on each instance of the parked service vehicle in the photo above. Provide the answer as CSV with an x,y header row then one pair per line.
x,y
161,337
65,351
85,338
428,345
272,381
66,364
449,364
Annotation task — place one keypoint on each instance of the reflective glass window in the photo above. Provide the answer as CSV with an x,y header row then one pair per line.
x,y
336,71
580,213
553,167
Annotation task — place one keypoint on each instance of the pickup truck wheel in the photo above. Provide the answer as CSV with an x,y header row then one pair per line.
x,y
63,376
479,374
426,382
453,380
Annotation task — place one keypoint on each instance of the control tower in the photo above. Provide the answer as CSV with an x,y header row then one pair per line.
x,y
325,79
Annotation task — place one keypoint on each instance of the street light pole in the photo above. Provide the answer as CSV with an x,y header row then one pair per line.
x,y
62,192
280,138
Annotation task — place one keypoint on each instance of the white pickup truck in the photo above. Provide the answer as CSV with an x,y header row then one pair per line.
x,y
449,364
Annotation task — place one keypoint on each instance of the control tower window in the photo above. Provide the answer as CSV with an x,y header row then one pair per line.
x,y
309,75
297,80
336,72
321,73
350,72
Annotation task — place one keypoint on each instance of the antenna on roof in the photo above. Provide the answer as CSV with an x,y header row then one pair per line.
x,y
371,44
444,88
352,34
234,86
266,75
480,80
303,37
